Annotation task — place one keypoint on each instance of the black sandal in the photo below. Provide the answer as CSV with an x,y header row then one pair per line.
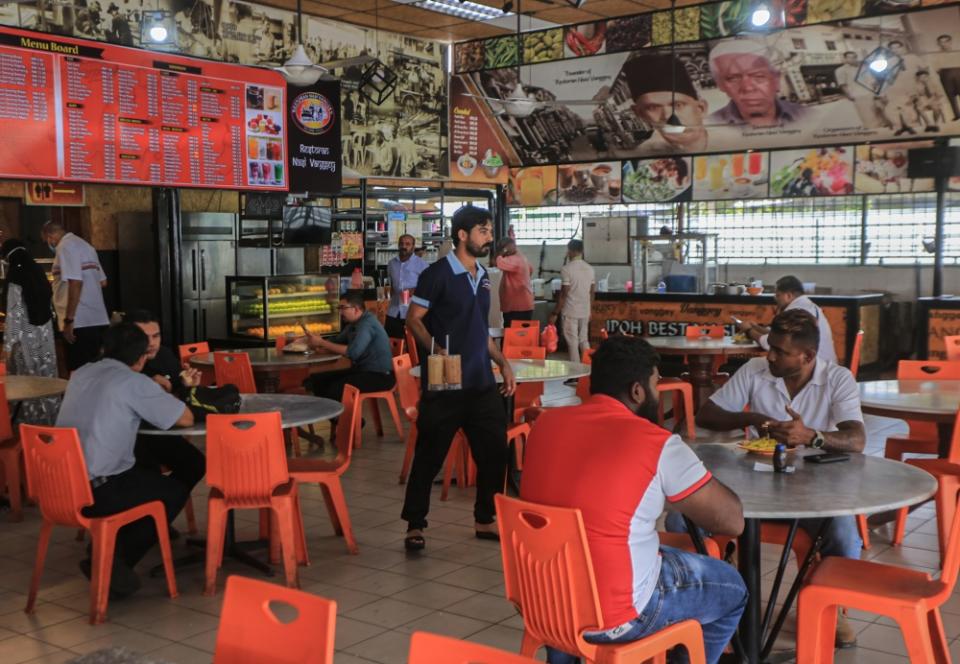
x,y
414,543
487,535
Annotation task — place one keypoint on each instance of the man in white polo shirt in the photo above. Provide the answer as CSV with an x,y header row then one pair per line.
x,y
789,296
800,399
78,282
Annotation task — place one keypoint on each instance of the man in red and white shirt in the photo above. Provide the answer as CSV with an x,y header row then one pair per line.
x,y
608,459
516,290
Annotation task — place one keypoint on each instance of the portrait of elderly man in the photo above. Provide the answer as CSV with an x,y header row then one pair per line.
x,y
745,70
651,87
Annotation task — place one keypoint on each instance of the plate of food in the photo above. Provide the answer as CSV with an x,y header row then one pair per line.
x,y
742,339
763,446
297,348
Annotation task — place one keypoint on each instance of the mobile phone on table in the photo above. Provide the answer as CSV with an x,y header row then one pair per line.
x,y
827,457
304,328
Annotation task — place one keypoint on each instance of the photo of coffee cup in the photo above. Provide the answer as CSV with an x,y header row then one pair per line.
x,y
599,176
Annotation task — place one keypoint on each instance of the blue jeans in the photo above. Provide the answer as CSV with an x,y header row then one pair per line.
x,y
690,587
840,539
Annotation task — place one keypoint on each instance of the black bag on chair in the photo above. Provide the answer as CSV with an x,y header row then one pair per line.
x,y
224,399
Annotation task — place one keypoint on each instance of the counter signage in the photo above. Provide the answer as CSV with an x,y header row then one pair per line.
x,y
941,323
80,112
313,137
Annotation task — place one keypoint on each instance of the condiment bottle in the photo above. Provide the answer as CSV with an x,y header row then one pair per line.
x,y
780,458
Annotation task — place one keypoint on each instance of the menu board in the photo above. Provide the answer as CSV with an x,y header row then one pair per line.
x,y
78,111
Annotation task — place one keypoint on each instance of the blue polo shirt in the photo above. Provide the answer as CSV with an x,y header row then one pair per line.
x,y
458,304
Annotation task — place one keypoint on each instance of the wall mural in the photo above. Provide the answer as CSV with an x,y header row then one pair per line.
x,y
405,136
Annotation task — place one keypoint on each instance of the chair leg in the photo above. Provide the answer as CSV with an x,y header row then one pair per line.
x,y
408,455
191,516
374,407
334,490
863,530
395,414
916,637
163,537
946,504
104,544
899,527
42,545
331,510
818,621
264,523
303,557
530,645
689,412
938,637
216,534
283,511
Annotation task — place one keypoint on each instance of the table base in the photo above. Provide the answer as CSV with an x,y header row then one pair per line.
x,y
239,551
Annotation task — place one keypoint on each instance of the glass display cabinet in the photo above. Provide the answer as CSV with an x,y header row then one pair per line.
x,y
268,307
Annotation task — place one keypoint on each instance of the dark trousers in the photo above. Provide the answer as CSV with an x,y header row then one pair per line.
x,y
950,78
510,316
395,327
185,463
86,347
482,416
330,384
129,489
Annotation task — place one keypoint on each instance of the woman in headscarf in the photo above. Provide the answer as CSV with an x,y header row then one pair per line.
x,y
28,332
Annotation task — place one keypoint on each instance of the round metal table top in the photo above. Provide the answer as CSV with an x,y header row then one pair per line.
x,y
267,359
21,388
933,400
862,485
701,346
531,371
296,410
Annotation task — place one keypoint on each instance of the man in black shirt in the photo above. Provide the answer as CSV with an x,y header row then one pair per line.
x,y
174,454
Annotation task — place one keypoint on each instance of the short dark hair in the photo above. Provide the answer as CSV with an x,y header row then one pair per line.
x,y
854,53
800,326
576,246
465,219
125,342
789,284
354,297
619,362
140,316
504,243
409,236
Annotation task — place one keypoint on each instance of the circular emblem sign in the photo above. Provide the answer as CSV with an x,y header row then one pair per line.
x,y
313,113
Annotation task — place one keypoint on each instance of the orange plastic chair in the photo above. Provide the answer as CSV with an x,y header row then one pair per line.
x,y
712,331
57,479
459,461
10,455
371,398
527,395
409,395
526,338
854,367
187,351
252,632
549,576
397,347
411,346
910,598
952,346
682,402
517,437
683,542
327,473
532,325
247,469
428,648
291,380
234,368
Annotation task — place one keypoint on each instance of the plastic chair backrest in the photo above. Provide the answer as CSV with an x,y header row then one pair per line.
x,y
586,356
56,473
712,331
928,370
426,648
254,627
406,385
246,459
952,346
951,559
235,369
520,337
189,350
548,572
3,368
397,346
526,325
280,342
348,423
855,355
412,350
525,353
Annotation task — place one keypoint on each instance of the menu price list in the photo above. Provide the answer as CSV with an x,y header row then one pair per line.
x,y
27,113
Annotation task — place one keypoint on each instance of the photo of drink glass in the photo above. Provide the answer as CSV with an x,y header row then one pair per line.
x,y
435,373
451,372
278,173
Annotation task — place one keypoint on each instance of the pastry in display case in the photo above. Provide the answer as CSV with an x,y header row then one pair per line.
x,y
270,307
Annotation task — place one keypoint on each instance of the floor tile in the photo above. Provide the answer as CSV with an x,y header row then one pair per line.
x,y
388,613
386,648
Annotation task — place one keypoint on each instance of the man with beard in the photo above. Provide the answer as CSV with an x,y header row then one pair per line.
x,y
451,306
404,272
609,459
797,398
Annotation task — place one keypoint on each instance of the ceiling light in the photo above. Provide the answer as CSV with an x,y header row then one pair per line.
x,y
879,65
673,125
300,70
158,33
158,30
471,11
760,16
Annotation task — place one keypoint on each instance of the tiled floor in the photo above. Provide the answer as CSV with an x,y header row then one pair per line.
x,y
383,595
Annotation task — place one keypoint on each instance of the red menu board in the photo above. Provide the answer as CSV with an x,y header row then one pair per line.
x,y
84,111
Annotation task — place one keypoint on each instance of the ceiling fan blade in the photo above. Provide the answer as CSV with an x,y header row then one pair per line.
x,y
348,62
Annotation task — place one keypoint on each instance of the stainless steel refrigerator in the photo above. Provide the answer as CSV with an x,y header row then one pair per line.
x,y
208,255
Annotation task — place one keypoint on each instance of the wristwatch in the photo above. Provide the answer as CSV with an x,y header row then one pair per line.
x,y
818,440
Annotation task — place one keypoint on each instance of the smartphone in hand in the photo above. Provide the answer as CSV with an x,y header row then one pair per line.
x,y
736,320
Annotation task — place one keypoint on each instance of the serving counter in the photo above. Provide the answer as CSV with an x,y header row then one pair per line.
x,y
669,314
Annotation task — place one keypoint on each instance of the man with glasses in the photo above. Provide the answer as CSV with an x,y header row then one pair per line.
x,y
365,343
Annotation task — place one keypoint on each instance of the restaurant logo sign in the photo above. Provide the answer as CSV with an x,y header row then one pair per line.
x,y
313,138
313,113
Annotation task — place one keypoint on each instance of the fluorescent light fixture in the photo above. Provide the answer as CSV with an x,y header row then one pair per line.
x,y
760,16
471,11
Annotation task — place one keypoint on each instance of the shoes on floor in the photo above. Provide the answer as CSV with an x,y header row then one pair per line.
x,y
124,581
846,637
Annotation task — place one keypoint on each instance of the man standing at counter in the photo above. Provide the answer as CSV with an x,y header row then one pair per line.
x,y
789,295
404,272
577,280
451,305
516,291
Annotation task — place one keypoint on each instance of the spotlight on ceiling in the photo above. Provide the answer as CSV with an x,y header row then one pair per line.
x,y
159,30
761,16
879,65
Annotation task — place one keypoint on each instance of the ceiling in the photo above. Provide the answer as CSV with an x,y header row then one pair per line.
x,y
426,24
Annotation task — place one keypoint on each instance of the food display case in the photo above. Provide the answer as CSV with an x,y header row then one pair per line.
x,y
269,307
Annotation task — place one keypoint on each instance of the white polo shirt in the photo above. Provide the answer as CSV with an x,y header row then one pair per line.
x,y
826,351
829,398
76,260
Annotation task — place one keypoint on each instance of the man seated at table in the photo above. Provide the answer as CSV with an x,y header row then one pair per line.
x,y
799,399
609,459
106,401
174,454
789,295
365,343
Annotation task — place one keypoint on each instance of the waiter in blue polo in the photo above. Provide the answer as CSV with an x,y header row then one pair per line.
x,y
453,299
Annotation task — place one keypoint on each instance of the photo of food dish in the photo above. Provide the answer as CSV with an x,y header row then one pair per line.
x,y
491,163
467,164
882,169
813,172
585,39
727,176
594,183
264,123
532,187
656,180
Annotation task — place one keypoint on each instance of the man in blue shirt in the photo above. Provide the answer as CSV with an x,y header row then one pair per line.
x,y
451,304
364,342
404,272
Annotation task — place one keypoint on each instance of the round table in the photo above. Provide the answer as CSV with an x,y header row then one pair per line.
x,y
269,363
532,371
864,484
21,388
927,400
700,353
